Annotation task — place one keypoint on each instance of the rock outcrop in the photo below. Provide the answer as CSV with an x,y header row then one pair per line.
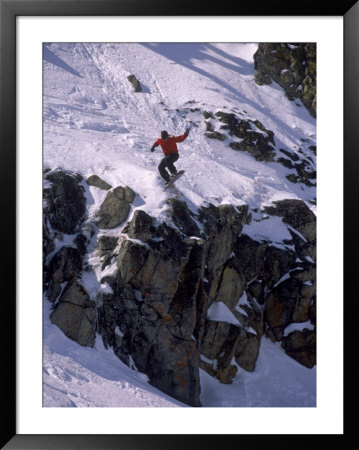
x,y
116,207
65,202
95,180
65,213
301,345
259,145
239,130
188,293
75,314
246,135
242,133
292,66
135,83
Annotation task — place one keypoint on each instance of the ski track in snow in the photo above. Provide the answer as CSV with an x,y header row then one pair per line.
x,y
94,123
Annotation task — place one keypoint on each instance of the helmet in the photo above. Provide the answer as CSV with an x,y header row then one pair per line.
x,y
164,134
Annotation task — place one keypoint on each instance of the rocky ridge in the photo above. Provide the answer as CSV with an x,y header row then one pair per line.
x,y
154,289
245,133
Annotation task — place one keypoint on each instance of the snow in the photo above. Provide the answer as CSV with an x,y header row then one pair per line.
x,y
270,228
106,288
276,382
94,123
297,233
300,326
124,124
220,312
241,302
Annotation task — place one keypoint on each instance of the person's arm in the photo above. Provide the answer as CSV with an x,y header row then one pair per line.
x,y
182,137
156,144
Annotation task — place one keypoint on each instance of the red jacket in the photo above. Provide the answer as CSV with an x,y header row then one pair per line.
x,y
169,145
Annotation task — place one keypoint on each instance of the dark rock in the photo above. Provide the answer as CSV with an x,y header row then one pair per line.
x,y
135,83
256,290
218,344
262,79
292,66
261,127
106,244
305,299
293,156
141,226
277,263
254,316
256,143
216,135
172,366
208,115
65,266
184,308
81,242
48,244
154,302
183,218
75,315
296,214
293,178
65,201
286,162
230,287
115,208
155,271
246,351
313,311
250,256
280,305
305,171
95,180
301,346
223,225
209,127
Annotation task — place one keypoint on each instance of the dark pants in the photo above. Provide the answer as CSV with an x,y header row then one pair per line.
x,y
167,162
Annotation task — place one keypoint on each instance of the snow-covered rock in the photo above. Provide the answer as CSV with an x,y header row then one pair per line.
x,y
174,289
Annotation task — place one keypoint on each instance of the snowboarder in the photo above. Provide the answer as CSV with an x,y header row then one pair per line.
x,y
170,150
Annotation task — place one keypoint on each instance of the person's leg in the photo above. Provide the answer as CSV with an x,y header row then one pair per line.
x,y
162,169
170,159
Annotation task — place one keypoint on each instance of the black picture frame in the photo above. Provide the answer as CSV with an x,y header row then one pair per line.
x,y
9,10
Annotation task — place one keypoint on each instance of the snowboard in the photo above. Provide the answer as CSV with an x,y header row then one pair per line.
x,y
174,179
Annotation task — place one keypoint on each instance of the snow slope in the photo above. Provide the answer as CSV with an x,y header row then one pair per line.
x,y
94,123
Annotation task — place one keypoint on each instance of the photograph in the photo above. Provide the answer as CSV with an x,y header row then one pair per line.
x,y
179,224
